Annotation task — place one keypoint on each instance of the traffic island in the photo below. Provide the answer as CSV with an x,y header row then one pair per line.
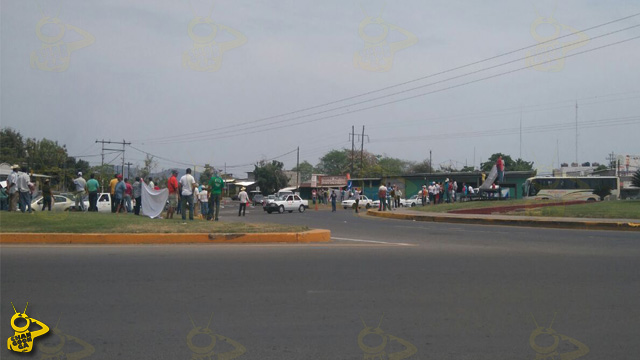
x,y
530,221
311,236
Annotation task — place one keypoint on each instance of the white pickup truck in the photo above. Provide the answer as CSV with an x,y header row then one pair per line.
x,y
286,203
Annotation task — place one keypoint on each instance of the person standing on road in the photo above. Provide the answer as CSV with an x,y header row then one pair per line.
x,y
46,195
216,184
120,190
391,197
398,196
112,191
137,195
500,168
356,196
455,191
12,188
187,183
92,187
333,197
244,199
81,185
424,195
151,184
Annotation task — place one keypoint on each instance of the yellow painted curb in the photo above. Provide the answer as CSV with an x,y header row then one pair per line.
x,y
544,223
193,238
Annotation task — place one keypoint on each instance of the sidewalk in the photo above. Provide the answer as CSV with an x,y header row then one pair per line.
x,y
511,220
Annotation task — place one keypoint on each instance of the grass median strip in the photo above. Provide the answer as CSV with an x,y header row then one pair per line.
x,y
623,209
58,222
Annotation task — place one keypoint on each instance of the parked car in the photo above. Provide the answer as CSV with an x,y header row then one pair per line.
x,y
411,202
257,199
60,203
364,201
286,203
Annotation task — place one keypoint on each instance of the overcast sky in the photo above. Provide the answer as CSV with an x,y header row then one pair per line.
x,y
132,74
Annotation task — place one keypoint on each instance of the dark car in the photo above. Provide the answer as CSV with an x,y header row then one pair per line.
x,y
257,199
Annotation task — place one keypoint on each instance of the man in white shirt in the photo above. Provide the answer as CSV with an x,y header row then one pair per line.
x,y
187,184
244,199
23,189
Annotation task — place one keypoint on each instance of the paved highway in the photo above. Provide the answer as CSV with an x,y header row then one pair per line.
x,y
410,290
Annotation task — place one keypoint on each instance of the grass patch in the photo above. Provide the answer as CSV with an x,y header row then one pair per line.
x,y
65,222
621,209
442,208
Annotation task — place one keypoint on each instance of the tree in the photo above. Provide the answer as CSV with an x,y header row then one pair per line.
x,y
635,181
601,167
393,166
602,191
149,165
468,169
270,176
509,163
206,174
335,162
420,168
306,169
12,148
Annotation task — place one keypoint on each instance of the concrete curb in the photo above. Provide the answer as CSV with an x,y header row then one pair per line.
x,y
187,238
556,223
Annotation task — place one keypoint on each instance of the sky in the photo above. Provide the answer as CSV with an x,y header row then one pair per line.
x,y
233,82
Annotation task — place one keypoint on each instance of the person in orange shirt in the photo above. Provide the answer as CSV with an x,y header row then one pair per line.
x,y
172,186
112,190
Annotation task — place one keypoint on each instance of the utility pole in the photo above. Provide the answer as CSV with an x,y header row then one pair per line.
x,y
431,164
298,169
520,131
353,144
123,143
474,158
128,169
577,132
362,152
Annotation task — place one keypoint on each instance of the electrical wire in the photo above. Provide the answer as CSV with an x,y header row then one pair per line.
x,y
253,122
411,97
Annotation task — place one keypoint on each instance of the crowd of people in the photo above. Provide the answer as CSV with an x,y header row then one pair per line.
x,y
19,191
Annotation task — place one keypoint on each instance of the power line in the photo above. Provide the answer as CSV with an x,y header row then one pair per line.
x,y
508,131
253,122
427,93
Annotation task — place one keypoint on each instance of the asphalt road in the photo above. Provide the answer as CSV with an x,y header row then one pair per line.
x,y
433,291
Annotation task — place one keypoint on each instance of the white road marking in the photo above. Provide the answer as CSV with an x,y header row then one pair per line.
x,y
370,241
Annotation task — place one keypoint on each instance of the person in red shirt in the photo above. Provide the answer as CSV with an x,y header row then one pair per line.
x,y
172,186
500,168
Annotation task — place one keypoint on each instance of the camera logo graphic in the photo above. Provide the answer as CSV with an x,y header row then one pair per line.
x,y
22,340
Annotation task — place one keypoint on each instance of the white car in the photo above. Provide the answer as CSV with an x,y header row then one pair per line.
x,y
59,203
411,202
286,203
364,201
